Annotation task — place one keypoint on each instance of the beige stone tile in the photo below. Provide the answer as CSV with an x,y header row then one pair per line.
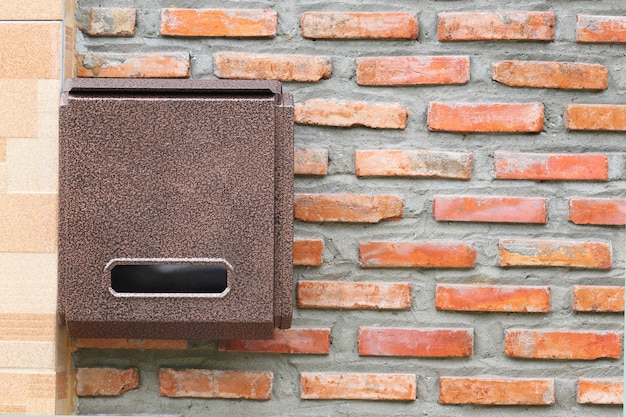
x,y
3,150
27,392
28,223
27,355
18,106
32,327
28,283
32,166
31,10
30,50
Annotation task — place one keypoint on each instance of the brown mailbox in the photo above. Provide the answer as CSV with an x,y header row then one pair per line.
x,y
175,208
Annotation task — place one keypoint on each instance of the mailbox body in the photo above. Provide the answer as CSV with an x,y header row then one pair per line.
x,y
165,177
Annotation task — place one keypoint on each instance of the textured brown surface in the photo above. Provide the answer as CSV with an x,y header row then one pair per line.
x,y
176,169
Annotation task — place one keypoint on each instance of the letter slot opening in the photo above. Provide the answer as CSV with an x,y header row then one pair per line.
x,y
169,278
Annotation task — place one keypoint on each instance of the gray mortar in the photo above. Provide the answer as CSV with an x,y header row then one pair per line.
x,y
341,240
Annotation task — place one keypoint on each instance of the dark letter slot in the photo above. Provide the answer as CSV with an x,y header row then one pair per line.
x,y
169,278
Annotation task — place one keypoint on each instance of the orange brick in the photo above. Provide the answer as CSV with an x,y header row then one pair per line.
x,y
496,26
105,382
152,344
601,29
412,70
294,341
310,161
600,391
357,386
112,21
205,383
348,114
565,253
551,167
543,74
485,117
219,22
578,345
598,299
303,68
433,343
308,252
354,295
416,255
359,25
490,209
355,208
609,117
145,65
607,211
496,391
410,163
500,298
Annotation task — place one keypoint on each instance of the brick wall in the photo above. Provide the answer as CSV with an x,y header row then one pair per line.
x,y
460,207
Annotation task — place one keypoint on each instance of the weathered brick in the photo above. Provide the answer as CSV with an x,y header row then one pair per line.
x,y
308,252
596,298
310,161
356,208
434,343
609,117
490,209
485,117
304,68
414,163
219,22
139,65
548,344
551,167
153,344
354,295
294,341
412,70
112,21
496,391
607,211
600,391
205,383
416,255
357,386
565,253
497,26
601,29
359,25
105,382
544,74
500,298
349,114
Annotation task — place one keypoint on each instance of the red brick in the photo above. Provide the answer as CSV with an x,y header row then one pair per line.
x,y
310,161
357,386
547,344
140,65
598,299
295,340
410,163
498,26
354,295
433,343
412,70
565,253
607,211
308,252
490,209
359,25
551,167
600,391
204,383
219,22
601,29
112,21
355,208
609,117
105,382
485,117
153,344
416,255
349,114
543,74
304,68
500,298
496,391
